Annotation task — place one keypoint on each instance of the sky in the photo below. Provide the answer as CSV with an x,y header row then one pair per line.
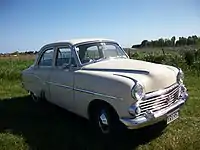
x,y
29,24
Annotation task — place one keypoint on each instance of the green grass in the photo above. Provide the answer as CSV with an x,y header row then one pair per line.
x,y
27,125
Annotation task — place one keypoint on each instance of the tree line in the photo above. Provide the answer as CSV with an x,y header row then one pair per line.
x,y
20,53
173,42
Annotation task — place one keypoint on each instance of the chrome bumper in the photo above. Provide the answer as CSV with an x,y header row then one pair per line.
x,y
151,118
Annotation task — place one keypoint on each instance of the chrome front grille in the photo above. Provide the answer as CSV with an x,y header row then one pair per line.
x,y
158,102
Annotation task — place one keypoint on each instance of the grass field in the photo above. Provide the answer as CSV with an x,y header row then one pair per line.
x,y
26,125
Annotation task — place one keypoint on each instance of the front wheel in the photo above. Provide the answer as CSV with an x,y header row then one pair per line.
x,y
104,123
106,120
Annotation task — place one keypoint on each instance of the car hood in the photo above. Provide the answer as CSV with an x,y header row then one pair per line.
x,y
152,76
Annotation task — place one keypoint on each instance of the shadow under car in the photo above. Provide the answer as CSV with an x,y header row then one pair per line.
x,y
46,126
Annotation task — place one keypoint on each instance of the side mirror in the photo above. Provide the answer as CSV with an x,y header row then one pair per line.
x,y
68,66
65,66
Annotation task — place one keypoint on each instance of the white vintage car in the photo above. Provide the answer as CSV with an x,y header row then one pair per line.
x,y
95,79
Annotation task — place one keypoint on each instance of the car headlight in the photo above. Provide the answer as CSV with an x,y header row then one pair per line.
x,y
180,77
137,92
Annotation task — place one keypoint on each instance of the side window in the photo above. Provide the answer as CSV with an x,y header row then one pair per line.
x,y
110,50
88,53
92,52
63,56
47,58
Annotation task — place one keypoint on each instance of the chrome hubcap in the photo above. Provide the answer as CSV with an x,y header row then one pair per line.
x,y
103,122
34,97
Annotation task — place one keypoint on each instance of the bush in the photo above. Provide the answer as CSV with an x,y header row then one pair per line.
x,y
11,69
189,60
189,57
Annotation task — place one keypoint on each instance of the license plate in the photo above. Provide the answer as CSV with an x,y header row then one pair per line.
x,y
172,117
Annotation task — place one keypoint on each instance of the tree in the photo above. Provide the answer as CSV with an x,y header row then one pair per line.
x,y
161,42
168,43
15,53
173,40
182,41
190,41
195,39
144,43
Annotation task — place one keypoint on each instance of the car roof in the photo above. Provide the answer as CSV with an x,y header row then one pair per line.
x,y
85,40
76,41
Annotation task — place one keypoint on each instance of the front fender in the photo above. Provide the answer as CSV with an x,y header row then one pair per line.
x,y
114,89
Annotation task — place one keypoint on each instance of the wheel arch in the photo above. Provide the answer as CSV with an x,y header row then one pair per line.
x,y
96,103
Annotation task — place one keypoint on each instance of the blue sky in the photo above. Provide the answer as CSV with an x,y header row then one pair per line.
x,y
28,24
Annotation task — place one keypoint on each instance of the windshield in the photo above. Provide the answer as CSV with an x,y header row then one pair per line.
x,y
92,52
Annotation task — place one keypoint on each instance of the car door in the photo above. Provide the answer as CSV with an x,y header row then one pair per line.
x,y
42,71
61,78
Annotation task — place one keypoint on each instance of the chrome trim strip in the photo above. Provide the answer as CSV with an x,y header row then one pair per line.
x,y
61,85
135,81
85,91
97,94
160,92
118,70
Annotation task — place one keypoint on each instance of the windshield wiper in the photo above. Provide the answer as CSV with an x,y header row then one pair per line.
x,y
100,59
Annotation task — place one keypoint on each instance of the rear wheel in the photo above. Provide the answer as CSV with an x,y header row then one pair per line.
x,y
37,98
